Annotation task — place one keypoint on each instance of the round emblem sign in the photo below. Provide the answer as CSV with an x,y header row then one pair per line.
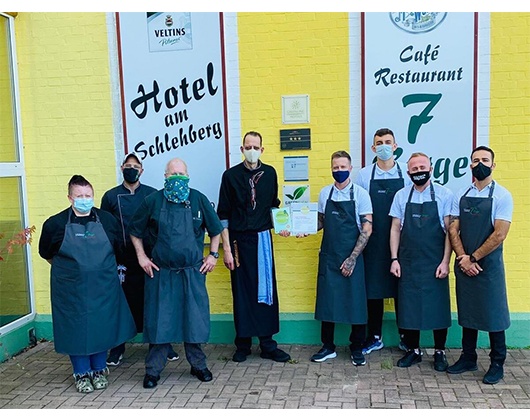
x,y
417,22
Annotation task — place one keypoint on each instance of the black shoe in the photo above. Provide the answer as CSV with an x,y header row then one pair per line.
x,y
151,381
172,356
357,358
494,374
114,359
203,375
462,365
440,361
410,358
323,354
277,355
240,355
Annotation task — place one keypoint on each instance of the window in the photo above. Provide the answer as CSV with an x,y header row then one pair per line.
x,y
16,294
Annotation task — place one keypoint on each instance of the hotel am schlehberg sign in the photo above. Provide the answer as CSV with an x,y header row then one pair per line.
x,y
419,81
171,70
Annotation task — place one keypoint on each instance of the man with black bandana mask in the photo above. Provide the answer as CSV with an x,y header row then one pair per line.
x,y
480,221
420,253
122,201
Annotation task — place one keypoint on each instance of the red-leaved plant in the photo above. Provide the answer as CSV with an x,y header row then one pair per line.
x,y
19,239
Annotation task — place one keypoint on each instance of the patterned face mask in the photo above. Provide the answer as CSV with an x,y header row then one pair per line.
x,y
176,188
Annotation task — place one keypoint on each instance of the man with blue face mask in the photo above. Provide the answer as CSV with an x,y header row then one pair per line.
x,y
480,220
167,232
89,311
382,180
122,201
345,214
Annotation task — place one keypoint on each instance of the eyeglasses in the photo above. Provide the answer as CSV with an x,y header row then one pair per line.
x,y
130,165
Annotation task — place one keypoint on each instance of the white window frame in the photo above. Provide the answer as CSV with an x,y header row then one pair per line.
x,y
16,169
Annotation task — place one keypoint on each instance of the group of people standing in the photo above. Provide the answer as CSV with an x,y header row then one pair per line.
x,y
390,234
387,235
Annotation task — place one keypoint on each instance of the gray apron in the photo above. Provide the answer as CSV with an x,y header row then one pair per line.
x,y
340,299
380,283
177,308
423,299
89,310
481,300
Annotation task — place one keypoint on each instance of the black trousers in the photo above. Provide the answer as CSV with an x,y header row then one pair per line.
x,y
497,345
412,338
266,343
376,310
327,334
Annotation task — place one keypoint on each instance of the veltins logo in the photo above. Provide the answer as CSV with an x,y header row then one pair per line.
x,y
169,21
417,22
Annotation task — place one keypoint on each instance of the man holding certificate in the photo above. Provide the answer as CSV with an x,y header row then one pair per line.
x,y
345,214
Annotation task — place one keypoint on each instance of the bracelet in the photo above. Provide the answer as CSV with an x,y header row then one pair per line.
x,y
393,259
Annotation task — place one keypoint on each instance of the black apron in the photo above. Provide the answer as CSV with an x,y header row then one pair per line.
x,y
133,286
251,318
380,283
424,302
340,299
177,308
89,310
481,300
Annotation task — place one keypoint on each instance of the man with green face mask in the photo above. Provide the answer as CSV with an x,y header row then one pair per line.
x,y
122,201
167,232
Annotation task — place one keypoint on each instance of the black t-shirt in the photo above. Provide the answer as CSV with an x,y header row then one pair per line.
x,y
246,197
53,230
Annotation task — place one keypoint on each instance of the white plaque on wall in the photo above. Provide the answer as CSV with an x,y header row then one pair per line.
x,y
295,109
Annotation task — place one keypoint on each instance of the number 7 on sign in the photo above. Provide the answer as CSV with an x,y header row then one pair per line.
x,y
416,121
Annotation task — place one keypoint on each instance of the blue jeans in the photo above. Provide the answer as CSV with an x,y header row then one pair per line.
x,y
88,364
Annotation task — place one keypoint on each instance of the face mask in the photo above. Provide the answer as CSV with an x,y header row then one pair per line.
x,y
384,151
420,178
176,188
252,155
340,176
131,175
83,205
481,171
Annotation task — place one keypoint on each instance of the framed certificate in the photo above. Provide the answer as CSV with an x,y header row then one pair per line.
x,y
304,218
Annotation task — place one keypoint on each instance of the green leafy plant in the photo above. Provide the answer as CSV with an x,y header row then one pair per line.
x,y
18,239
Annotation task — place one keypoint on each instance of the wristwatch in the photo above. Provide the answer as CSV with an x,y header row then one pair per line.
x,y
472,259
214,254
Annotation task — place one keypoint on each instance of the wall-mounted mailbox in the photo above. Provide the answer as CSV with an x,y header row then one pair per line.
x,y
297,139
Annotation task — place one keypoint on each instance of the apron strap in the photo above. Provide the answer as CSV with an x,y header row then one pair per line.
x,y
433,198
490,193
351,192
398,170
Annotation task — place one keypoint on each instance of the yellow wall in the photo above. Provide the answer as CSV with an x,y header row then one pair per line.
x,y
65,93
510,139
67,123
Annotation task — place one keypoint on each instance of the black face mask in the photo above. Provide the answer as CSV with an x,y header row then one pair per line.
x,y
481,171
420,178
131,175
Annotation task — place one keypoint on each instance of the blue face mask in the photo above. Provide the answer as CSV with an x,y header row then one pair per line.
x,y
340,176
176,188
83,205
384,151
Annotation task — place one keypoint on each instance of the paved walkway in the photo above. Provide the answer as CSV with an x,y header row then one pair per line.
x,y
41,378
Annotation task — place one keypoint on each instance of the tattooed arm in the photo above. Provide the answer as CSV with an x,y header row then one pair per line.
x,y
348,265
